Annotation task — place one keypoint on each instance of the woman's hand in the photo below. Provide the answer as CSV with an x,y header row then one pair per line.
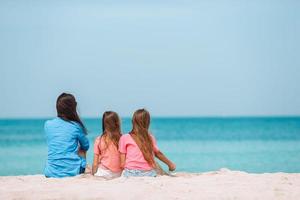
x,y
82,153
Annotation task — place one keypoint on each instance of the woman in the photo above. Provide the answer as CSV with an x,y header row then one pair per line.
x,y
66,140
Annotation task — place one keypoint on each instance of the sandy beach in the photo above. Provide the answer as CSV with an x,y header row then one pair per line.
x,y
222,184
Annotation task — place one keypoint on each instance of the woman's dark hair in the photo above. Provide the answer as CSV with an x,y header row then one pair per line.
x,y
66,109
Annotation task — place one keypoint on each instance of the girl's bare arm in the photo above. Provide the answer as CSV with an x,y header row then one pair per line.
x,y
95,163
123,157
164,159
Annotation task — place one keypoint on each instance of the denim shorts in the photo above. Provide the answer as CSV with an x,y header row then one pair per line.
x,y
137,173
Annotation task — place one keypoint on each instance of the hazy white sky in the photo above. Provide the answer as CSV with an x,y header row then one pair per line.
x,y
191,58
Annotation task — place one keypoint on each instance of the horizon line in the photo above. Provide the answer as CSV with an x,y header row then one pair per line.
x,y
165,116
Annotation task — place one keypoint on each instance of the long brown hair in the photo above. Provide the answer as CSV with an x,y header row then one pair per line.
x,y
66,109
141,136
111,127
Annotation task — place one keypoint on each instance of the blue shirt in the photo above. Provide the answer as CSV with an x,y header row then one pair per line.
x,y
63,140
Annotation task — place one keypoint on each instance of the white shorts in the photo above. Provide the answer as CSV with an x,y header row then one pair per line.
x,y
106,173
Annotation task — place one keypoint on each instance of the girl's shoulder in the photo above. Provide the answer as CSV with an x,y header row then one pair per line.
x,y
100,139
97,139
151,135
98,144
125,137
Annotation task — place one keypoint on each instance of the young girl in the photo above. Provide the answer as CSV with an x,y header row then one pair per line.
x,y
106,155
139,147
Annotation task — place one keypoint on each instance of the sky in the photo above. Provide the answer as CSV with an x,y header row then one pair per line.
x,y
175,58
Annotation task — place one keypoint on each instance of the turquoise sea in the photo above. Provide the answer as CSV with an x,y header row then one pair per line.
x,y
251,144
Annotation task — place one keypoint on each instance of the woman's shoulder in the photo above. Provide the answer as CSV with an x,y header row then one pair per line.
x,y
57,122
51,122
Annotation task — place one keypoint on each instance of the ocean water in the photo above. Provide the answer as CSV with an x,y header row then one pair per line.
x,y
257,145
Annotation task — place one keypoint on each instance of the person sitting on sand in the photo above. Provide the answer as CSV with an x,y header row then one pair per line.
x,y
66,140
139,147
106,155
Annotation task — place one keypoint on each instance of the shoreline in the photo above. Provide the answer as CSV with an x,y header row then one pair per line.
x,y
221,184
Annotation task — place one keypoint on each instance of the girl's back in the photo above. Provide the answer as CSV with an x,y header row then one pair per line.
x,y
107,162
134,156
139,148
109,154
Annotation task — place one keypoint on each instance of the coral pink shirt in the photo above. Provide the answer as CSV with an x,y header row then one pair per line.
x,y
134,156
110,156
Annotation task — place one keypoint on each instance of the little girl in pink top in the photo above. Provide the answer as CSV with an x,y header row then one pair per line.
x,y
106,155
138,148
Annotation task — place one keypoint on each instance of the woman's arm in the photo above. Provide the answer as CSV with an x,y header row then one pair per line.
x,y
164,159
95,163
81,153
122,157
83,140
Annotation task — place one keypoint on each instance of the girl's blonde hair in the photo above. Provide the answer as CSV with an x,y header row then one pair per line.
x,y
140,134
111,127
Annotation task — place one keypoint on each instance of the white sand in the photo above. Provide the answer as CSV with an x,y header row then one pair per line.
x,y
223,184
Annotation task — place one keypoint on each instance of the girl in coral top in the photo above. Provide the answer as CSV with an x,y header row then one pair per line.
x,y
138,148
106,155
